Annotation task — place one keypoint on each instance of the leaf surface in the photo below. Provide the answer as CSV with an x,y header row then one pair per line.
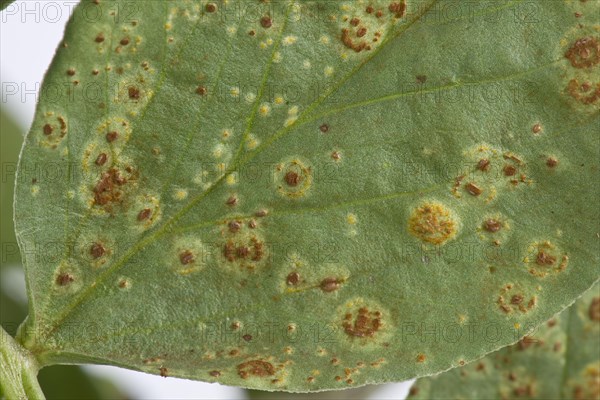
x,y
306,196
561,360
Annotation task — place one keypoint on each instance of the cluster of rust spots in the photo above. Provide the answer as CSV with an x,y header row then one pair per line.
x,y
97,250
64,278
254,250
586,92
591,390
330,284
492,225
508,302
527,342
524,391
594,310
48,129
186,257
365,324
256,368
354,36
546,259
398,9
432,223
512,169
107,190
584,53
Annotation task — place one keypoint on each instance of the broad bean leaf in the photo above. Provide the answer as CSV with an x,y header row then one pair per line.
x,y
309,195
561,360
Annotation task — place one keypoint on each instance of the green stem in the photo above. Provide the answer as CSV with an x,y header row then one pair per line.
x,y
18,371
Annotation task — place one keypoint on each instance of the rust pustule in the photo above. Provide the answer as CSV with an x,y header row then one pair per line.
x,y
584,53
258,368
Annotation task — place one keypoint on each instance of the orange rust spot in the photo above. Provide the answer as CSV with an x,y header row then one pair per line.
x,y
544,258
292,178
509,170
256,368
421,358
201,90
432,223
584,53
348,42
551,162
112,136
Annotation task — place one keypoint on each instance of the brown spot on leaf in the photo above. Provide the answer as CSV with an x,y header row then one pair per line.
x,y
201,90
292,178
63,279
70,72
509,170
293,278
584,53
234,226
211,7
164,372
133,92
144,214
48,129
112,136
585,93
492,225
232,201
107,189
398,8
330,284
101,159
551,162
266,22
256,368
215,374
349,42
324,128
247,337
421,358
97,250
537,128
99,38
544,258
186,257
473,189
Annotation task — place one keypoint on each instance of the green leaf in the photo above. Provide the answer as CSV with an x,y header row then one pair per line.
x,y
561,360
312,195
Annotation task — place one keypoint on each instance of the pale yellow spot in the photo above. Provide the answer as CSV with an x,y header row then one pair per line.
x,y
328,71
293,110
231,30
264,110
180,194
351,219
517,325
306,64
234,91
289,40
345,7
226,133
35,190
279,100
277,57
290,121
231,179
269,41
71,194
263,45
344,56
168,26
250,97
324,39
218,151
252,142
